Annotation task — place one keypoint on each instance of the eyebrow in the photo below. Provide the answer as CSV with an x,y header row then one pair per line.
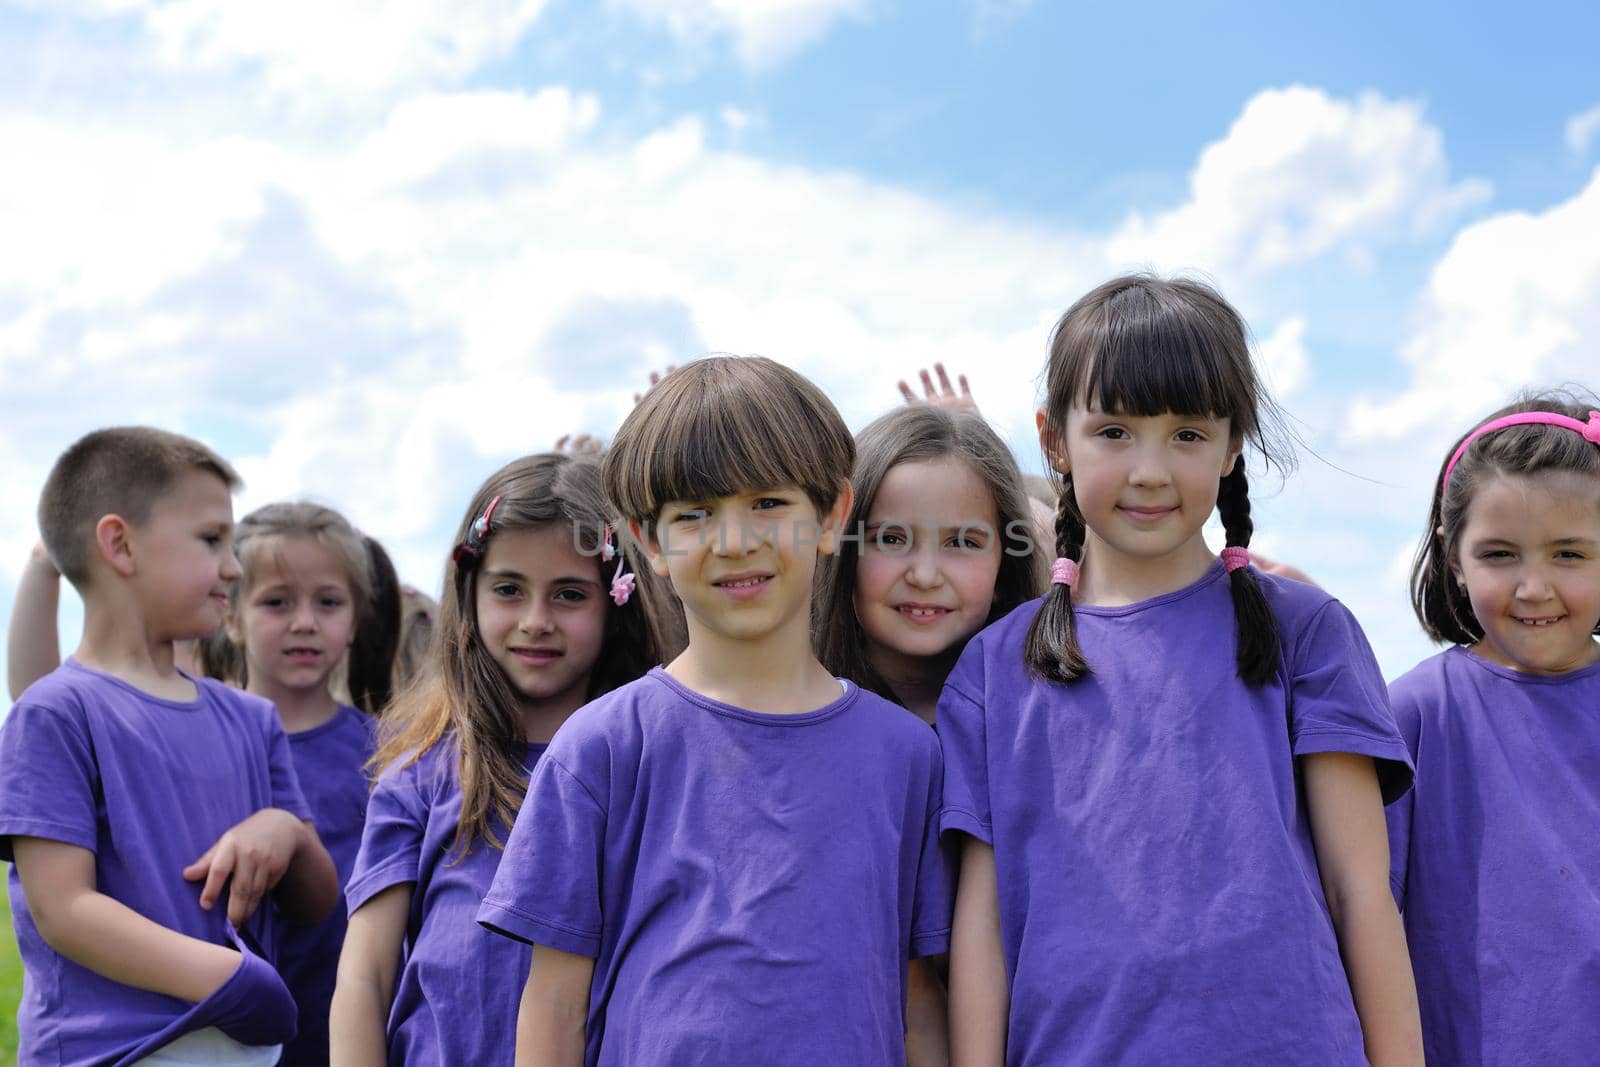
x,y
506,572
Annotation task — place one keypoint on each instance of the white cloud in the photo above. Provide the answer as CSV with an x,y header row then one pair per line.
x,y
764,32
1301,174
1284,358
1515,302
1581,131
349,45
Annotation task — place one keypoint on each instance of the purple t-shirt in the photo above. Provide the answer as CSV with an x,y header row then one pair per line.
x,y
750,885
147,785
330,761
1159,893
459,985
1496,859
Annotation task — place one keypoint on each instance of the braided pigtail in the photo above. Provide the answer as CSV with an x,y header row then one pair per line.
x,y
1052,651
1257,628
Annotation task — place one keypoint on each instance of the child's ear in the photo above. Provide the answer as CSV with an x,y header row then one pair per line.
x,y
1235,450
653,551
1055,452
235,632
833,522
113,542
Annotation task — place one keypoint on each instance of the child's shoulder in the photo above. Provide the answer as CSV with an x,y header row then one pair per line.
x,y
898,728
1296,604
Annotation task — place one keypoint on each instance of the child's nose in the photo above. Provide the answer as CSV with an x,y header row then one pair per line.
x,y
537,619
922,567
1148,469
1533,584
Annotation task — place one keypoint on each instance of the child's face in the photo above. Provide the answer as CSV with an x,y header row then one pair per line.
x,y
297,617
1529,556
1146,484
183,558
930,553
743,564
541,613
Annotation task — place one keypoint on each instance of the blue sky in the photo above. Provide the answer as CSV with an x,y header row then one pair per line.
x,y
372,250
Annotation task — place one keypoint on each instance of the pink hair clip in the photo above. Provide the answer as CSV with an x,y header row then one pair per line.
x,y
477,534
1234,557
1064,571
1590,430
622,582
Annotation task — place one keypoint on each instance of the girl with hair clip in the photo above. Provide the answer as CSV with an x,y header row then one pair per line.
x,y
1496,863
939,545
538,616
293,615
1170,772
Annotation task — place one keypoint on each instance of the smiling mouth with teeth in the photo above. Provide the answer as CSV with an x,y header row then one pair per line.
x,y
924,613
1540,622
743,583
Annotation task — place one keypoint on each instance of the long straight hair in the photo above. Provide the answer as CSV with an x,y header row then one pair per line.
x,y
915,434
1143,345
465,698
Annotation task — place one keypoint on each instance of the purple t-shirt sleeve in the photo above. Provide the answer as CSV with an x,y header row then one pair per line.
x,y
547,889
1398,814
391,840
966,756
280,764
47,777
1338,700
932,905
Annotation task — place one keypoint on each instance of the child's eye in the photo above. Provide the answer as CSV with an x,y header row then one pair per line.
x,y
1191,437
1112,433
890,536
688,515
332,602
1494,554
571,595
505,589
967,543
767,503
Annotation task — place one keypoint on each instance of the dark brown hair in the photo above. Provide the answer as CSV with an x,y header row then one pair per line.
x,y
724,425
465,694
914,434
122,471
1143,345
1528,450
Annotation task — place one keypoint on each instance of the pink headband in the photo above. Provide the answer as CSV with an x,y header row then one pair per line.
x,y
1590,430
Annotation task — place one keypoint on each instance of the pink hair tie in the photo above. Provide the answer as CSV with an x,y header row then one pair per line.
x,y
1234,557
1590,430
1064,571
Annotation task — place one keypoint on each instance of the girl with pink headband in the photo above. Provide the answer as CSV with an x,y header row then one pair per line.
x,y
1169,774
1496,858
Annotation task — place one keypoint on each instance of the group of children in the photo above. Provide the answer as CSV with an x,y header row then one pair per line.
x,y
654,795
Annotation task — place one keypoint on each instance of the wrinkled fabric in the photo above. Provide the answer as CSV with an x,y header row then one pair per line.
x,y
456,996
1159,894
147,785
1496,859
750,885
330,761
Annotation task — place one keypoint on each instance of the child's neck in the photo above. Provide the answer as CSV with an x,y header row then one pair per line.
x,y
915,681
1113,579
121,644
778,674
298,709
542,718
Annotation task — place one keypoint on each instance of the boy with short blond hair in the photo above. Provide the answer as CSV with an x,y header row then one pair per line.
x,y
135,799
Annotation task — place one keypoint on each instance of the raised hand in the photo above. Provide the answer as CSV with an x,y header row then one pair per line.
x,y
945,394
655,380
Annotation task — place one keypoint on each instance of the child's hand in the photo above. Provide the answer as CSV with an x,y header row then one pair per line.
x,y
655,380
254,854
946,395
39,559
581,444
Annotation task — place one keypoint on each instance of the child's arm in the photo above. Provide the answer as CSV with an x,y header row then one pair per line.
x,y
364,990
106,936
555,1009
271,851
980,994
927,1017
1347,826
32,648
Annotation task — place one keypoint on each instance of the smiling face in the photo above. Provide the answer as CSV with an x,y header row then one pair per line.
x,y
743,564
930,555
183,555
541,614
296,617
1146,484
1529,557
